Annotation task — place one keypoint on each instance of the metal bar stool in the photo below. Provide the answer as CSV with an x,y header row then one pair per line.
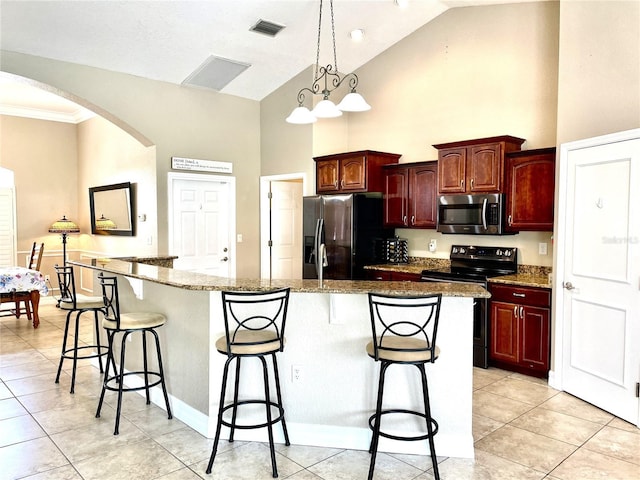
x,y
404,333
127,323
78,304
254,327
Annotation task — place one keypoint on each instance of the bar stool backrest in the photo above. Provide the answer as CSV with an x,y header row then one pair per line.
x,y
110,297
254,319
408,317
67,284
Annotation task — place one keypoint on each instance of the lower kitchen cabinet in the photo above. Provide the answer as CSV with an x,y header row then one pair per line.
x,y
387,276
520,329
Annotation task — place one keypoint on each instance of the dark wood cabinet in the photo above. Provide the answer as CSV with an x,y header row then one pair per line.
x,y
474,166
530,190
352,172
520,329
388,276
410,195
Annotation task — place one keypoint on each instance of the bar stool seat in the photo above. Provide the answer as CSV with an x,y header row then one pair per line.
x,y
126,324
78,304
254,327
404,332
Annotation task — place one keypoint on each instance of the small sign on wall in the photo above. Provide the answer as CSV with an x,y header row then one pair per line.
x,y
180,163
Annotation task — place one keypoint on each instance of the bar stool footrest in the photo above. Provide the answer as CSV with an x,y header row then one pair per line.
x,y
434,425
108,383
274,420
101,353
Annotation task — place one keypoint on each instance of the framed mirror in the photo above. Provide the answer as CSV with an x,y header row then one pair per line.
x,y
111,208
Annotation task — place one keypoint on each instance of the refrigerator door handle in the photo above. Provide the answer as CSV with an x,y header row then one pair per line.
x,y
317,243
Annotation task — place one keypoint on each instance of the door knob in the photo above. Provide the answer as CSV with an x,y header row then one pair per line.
x,y
568,285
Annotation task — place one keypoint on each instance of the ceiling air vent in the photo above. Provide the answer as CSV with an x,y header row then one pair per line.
x,y
267,28
215,73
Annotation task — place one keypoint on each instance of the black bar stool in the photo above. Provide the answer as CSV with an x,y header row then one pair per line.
x,y
404,333
254,327
127,323
77,304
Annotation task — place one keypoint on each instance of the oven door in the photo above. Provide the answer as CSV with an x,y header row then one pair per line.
x,y
480,318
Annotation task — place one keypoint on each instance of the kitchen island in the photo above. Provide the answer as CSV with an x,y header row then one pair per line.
x,y
327,329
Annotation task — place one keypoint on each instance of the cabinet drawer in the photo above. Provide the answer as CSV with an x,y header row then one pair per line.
x,y
539,297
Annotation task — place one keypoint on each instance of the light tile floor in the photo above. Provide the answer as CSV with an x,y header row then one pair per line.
x,y
523,429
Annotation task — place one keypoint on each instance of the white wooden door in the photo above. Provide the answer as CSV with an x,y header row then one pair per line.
x,y
200,230
286,229
7,227
599,260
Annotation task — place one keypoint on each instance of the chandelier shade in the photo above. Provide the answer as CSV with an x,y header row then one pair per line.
x,y
326,80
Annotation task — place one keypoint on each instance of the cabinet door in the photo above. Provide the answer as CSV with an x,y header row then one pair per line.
x,y
327,175
451,170
530,183
484,168
422,196
353,175
504,332
378,275
534,338
396,192
405,277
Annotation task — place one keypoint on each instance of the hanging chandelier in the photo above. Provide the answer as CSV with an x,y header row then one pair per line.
x,y
326,80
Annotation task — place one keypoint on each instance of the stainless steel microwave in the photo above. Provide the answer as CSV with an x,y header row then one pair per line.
x,y
479,214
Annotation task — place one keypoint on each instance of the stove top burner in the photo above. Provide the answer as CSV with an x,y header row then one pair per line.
x,y
477,263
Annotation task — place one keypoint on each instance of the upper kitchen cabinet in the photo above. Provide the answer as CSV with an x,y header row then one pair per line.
x,y
351,172
474,166
530,187
410,195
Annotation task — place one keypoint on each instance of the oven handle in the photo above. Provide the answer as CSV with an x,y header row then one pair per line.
x,y
442,280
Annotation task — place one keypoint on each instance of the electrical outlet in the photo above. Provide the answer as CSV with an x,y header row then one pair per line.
x,y
542,248
47,278
432,245
296,373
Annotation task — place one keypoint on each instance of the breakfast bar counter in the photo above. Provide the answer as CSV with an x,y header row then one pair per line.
x,y
327,329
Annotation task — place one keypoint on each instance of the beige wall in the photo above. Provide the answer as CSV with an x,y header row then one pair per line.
x,y
178,121
43,157
108,155
548,72
599,88
470,73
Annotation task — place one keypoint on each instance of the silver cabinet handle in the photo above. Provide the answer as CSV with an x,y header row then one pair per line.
x,y
521,312
509,220
521,295
224,259
413,219
515,311
404,219
472,184
462,183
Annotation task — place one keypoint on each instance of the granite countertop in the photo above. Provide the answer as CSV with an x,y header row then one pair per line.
x,y
523,279
200,281
527,276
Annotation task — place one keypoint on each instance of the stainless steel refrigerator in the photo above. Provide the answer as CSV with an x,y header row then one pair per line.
x,y
342,234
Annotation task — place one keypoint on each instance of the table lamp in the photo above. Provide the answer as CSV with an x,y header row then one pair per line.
x,y
64,227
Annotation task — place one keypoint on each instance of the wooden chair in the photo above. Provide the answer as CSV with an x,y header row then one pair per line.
x,y
35,259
